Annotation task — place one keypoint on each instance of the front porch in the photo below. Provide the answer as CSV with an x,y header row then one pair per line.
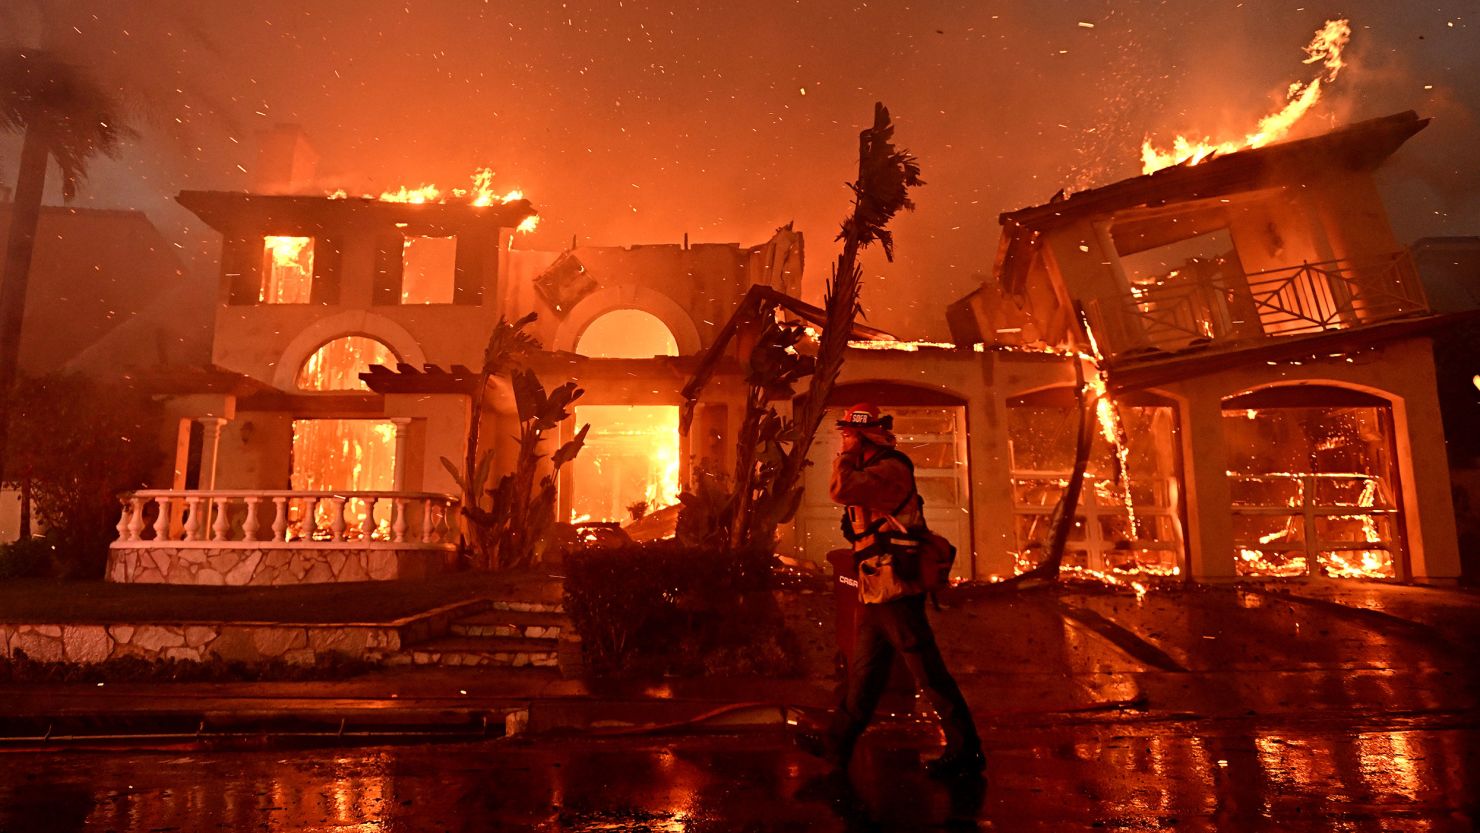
x,y
266,537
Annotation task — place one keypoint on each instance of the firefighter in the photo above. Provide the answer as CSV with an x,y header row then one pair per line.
x,y
876,485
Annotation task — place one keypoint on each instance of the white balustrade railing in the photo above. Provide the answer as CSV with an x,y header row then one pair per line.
x,y
287,518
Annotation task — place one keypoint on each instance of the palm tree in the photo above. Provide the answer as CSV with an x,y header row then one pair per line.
x,y
885,176
63,115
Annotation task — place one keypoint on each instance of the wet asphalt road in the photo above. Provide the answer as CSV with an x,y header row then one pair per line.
x,y
1340,708
1414,773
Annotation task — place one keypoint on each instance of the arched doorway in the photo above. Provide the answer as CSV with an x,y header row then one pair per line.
x,y
1129,516
347,455
630,464
1314,481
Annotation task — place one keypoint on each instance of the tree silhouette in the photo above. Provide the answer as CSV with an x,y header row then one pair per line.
x,y
63,115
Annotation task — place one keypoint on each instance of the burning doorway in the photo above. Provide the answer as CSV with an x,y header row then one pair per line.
x,y
1129,515
1314,483
343,455
630,458
630,463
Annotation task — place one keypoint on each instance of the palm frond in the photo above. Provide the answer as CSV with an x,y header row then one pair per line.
x,y
76,118
885,175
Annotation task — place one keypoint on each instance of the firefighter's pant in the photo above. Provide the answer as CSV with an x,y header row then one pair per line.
x,y
900,626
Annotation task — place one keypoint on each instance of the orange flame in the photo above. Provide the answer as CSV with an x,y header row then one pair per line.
x,y
287,252
288,266
480,195
1325,49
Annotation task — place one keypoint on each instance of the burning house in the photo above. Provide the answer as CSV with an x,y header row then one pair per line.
x,y
1258,332
343,368
1262,336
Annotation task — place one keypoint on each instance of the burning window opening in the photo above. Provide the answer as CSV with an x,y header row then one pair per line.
x,y
1313,483
343,455
1188,291
1324,49
337,365
1127,521
627,334
287,270
428,269
631,456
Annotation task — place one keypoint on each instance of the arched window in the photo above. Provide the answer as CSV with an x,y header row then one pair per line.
x,y
627,334
337,365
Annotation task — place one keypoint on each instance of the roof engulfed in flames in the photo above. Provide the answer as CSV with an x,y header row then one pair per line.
x,y
480,195
1324,49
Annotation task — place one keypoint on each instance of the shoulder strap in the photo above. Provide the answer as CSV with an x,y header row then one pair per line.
x,y
889,454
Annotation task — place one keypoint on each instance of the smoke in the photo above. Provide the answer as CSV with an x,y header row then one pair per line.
x,y
631,121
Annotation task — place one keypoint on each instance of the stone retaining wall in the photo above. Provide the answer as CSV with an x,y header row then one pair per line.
x,y
249,642
240,566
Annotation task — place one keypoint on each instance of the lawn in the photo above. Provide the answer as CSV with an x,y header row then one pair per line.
x,y
50,601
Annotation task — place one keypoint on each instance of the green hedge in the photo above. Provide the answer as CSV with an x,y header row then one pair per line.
x,y
666,608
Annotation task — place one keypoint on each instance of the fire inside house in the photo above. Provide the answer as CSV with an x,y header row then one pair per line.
x,y
1257,339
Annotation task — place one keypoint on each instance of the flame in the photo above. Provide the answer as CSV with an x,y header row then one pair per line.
x,y
287,252
1324,49
894,344
415,196
480,195
1376,561
288,267
663,487
337,365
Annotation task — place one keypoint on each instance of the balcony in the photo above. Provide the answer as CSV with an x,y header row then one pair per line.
x,y
1308,299
281,537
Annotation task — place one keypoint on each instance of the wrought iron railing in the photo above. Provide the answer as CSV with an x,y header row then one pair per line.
x,y
1294,300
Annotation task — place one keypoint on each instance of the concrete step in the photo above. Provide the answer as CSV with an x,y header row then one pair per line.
x,y
532,624
514,652
528,607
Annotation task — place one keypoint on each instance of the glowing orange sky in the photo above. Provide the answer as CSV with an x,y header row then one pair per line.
x,y
628,121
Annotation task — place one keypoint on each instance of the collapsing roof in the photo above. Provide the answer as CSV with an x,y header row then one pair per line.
x,y
1357,147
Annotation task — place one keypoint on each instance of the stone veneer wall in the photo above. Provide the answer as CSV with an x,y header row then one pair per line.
x,y
245,642
240,566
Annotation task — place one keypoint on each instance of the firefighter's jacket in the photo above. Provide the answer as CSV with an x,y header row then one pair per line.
x,y
874,485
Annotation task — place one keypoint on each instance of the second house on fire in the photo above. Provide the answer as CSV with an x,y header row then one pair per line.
x,y
1262,332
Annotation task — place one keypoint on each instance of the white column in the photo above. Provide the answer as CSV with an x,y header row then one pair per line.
x,y
403,432
210,443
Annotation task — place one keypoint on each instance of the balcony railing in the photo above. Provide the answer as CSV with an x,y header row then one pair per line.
x,y
287,519
1295,300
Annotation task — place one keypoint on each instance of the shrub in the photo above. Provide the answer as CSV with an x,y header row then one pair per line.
x,y
28,558
79,442
666,607
20,668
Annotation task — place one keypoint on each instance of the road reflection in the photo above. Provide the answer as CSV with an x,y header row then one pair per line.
x,y
1217,775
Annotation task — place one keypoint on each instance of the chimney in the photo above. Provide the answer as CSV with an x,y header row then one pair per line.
x,y
286,162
